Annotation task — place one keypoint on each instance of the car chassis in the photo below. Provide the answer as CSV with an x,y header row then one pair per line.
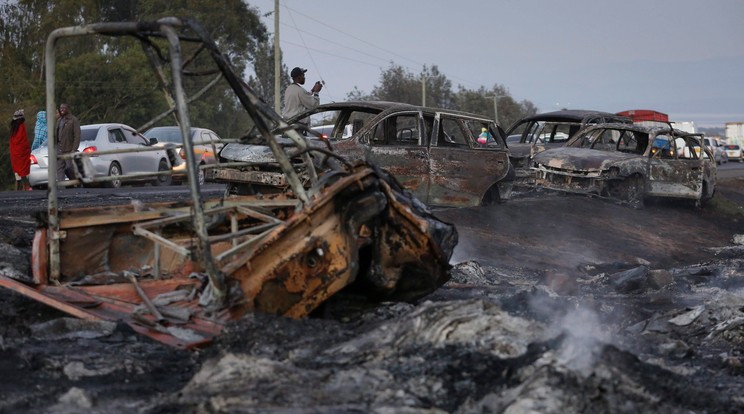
x,y
179,271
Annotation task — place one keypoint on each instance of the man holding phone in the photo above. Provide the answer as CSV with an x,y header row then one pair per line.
x,y
297,99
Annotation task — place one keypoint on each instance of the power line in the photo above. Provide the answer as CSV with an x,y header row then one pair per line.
x,y
325,24
323,52
342,45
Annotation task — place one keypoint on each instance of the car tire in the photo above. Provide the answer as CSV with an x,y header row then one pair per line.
x,y
492,196
200,175
114,170
163,180
634,191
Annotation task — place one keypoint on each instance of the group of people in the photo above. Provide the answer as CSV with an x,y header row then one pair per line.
x,y
68,140
296,100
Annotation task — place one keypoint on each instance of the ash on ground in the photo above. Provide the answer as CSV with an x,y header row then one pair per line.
x,y
558,304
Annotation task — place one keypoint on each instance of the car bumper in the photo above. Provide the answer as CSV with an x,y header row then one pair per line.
x,y
39,175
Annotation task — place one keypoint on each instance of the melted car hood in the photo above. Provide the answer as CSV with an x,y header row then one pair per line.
x,y
581,158
259,153
246,152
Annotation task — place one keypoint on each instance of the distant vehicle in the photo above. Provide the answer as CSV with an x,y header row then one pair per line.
x,y
733,152
107,137
327,132
718,150
629,163
432,152
536,133
206,145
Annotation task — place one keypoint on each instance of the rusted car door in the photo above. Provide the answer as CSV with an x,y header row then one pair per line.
x,y
398,143
461,170
674,168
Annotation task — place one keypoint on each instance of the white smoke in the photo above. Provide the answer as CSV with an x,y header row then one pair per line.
x,y
583,342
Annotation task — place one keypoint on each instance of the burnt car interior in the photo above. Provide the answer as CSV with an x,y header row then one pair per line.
x,y
664,146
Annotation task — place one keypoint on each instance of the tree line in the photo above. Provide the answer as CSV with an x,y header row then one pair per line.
x,y
108,79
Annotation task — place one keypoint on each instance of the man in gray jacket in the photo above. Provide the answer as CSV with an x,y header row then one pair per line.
x,y
68,140
297,99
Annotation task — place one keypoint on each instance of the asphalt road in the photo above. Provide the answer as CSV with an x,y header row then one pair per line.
x,y
731,170
727,170
126,191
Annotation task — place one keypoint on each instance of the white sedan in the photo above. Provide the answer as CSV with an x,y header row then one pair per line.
x,y
107,137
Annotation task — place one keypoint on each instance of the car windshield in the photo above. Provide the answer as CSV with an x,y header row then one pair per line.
x,y
352,120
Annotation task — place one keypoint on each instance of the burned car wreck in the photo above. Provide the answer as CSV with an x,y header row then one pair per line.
x,y
628,163
179,271
537,133
445,158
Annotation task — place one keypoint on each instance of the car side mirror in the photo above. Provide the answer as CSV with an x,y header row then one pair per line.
x,y
366,138
153,141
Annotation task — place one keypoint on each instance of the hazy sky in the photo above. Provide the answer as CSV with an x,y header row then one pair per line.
x,y
681,57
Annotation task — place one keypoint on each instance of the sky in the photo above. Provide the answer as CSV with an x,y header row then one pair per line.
x,y
681,57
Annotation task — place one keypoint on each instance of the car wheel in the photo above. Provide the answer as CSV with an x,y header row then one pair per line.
x,y
491,197
200,175
114,171
634,191
704,197
162,180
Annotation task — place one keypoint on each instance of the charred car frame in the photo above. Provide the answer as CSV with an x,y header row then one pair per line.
x,y
537,133
435,153
629,163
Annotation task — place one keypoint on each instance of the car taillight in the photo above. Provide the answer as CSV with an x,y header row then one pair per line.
x,y
33,159
323,136
88,150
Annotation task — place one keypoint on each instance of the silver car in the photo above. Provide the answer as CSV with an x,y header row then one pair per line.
x,y
206,145
108,137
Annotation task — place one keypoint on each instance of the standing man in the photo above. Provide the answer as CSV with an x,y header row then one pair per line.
x,y
68,140
297,99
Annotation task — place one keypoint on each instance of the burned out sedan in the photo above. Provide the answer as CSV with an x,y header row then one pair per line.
x,y
539,132
630,163
445,158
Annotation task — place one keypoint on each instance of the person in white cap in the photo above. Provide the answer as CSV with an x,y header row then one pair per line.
x,y
297,99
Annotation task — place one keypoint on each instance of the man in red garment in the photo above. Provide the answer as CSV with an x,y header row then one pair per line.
x,y
20,150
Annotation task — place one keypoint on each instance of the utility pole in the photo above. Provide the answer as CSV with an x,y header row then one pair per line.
x,y
496,107
423,90
277,62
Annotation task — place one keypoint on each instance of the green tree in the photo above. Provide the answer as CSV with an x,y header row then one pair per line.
x,y
400,85
481,101
108,79
263,81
